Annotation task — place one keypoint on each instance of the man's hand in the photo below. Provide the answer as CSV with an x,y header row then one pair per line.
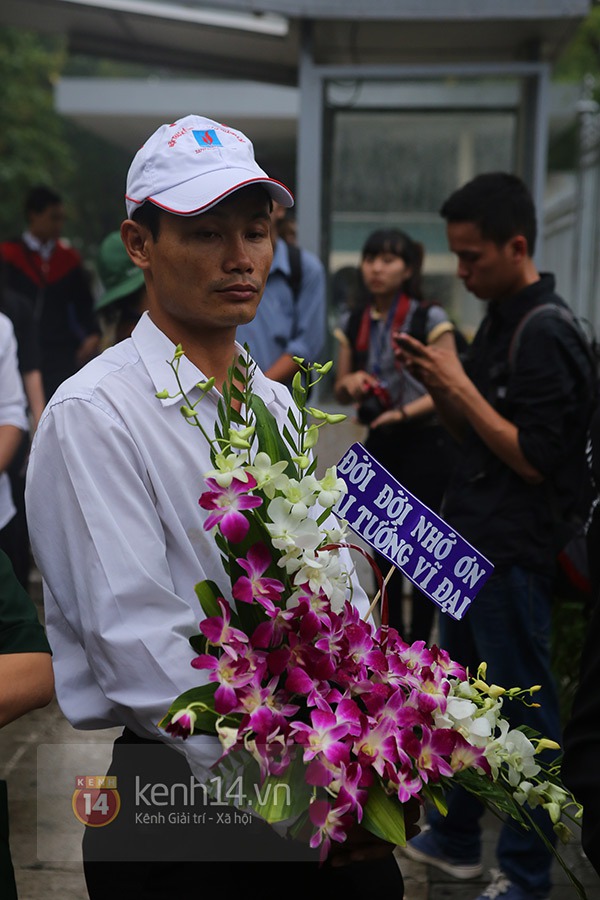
x,y
437,367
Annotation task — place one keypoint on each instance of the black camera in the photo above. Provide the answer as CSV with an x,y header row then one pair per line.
x,y
376,401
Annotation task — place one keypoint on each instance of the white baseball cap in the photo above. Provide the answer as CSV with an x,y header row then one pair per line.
x,y
193,164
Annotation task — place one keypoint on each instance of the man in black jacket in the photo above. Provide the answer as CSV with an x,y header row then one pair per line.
x,y
521,423
50,274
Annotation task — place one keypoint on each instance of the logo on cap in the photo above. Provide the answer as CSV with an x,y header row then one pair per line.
x,y
207,138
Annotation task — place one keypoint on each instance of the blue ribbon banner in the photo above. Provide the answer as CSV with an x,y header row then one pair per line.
x,y
394,522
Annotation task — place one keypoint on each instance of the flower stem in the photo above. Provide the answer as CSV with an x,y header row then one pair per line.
x,y
371,609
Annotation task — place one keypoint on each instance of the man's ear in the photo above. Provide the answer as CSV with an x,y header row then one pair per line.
x,y
136,239
519,247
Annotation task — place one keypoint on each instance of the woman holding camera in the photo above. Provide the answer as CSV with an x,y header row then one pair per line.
x,y
403,432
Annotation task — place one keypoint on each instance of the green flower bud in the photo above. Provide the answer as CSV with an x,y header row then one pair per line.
x,y
335,418
178,351
312,436
162,395
187,412
318,413
239,442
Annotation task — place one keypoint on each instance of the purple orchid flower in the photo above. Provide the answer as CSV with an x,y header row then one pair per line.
x,y
226,503
231,674
252,586
323,736
218,630
182,723
332,823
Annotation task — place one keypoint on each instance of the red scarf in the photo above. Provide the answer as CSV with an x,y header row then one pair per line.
x,y
364,330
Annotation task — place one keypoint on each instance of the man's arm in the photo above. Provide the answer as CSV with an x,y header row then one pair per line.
x,y
87,320
26,683
26,677
459,402
10,439
34,391
308,336
283,369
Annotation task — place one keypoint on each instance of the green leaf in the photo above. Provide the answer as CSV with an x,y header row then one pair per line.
x,y
437,796
292,441
311,468
237,417
384,815
199,643
274,799
207,593
268,435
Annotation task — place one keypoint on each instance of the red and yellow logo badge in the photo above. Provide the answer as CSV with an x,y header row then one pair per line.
x,y
96,801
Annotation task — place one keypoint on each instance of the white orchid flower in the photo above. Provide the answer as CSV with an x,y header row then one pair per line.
x,y
288,531
301,495
229,466
331,488
269,476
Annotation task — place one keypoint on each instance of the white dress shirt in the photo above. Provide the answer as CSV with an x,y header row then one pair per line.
x,y
13,409
112,494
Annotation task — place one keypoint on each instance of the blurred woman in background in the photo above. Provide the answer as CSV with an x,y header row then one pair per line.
x,y
403,432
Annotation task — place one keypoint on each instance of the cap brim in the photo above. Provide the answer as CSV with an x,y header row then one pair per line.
x,y
203,192
129,285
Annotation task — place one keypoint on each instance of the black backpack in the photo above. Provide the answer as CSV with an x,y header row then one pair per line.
x,y
418,328
573,577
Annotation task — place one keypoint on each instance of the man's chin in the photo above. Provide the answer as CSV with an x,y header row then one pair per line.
x,y
245,314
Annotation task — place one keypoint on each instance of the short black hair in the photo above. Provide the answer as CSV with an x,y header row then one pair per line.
x,y
399,243
148,215
499,203
40,198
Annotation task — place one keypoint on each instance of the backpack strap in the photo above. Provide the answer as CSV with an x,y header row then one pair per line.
x,y
556,311
295,276
418,322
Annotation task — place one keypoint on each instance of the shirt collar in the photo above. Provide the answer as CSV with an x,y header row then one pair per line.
x,y
156,351
511,309
44,249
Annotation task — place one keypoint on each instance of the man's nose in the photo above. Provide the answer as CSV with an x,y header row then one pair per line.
x,y
237,257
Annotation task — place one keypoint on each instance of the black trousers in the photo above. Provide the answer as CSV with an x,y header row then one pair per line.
x,y
142,854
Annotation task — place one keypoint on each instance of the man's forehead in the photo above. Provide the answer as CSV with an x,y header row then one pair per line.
x,y
250,200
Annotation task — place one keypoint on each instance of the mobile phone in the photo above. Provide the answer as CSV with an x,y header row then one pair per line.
x,y
408,347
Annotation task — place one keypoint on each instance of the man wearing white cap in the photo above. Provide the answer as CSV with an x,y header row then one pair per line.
x,y
112,498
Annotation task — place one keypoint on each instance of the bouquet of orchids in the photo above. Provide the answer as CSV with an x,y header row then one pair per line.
x,y
304,693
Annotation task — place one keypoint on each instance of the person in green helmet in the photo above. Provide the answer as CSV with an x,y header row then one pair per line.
x,y
123,299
